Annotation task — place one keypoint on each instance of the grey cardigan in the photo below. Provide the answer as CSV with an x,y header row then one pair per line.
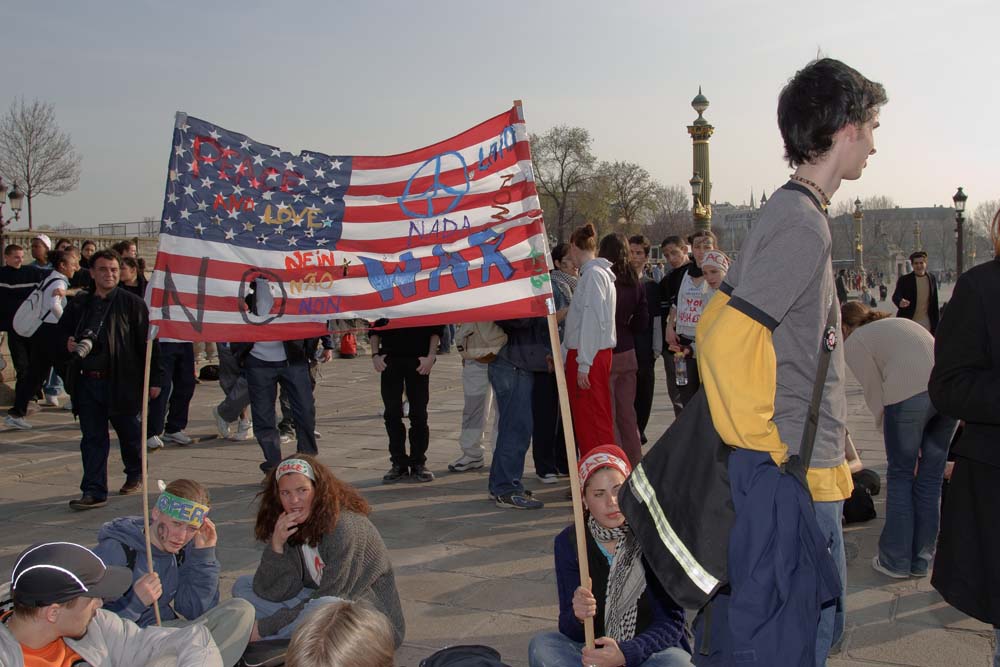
x,y
357,568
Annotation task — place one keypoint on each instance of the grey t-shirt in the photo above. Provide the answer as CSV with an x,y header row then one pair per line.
x,y
783,279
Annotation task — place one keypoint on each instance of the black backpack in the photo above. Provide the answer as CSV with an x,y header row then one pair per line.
x,y
468,655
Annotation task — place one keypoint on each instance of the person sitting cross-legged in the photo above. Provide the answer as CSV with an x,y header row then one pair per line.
x,y
636,622
184,582
320,548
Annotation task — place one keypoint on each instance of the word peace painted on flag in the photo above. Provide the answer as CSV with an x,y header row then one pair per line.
x,y
451,232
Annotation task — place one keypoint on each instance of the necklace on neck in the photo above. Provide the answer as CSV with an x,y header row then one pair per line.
x,y
824,200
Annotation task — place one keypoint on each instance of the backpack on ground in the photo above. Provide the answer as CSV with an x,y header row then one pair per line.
x,y
469,655
348,346
480,341
32,310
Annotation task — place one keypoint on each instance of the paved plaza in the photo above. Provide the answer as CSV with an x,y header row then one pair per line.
x,y
467,571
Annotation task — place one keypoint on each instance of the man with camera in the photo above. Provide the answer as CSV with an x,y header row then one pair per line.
x,y
105,333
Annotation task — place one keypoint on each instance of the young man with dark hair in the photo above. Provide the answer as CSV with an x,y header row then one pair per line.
x,y
649,343
105,334
57,621
758,376
916,294
676,250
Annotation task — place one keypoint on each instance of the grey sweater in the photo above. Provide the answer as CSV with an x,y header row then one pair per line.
x,y
356,568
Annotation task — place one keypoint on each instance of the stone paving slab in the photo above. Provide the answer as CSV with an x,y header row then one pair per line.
x,y
467,571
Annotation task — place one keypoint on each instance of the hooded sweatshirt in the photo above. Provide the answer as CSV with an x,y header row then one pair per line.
x,y
590,322
192,587
113,641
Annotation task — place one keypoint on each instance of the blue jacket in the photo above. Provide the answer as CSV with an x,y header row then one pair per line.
x,y
190,589
527,343
781,572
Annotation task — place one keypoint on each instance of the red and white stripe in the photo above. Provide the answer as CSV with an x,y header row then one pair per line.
x,y
376,227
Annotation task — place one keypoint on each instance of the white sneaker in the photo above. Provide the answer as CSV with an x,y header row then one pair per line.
x,y
317,435
548,478
221,425
244,431
52,400
406,408
17,422
180,437
154,442
284,438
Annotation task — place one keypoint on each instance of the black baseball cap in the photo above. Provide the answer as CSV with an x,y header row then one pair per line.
x,y
59,571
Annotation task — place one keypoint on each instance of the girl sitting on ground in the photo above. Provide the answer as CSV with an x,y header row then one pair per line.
x,y
637,623
320,549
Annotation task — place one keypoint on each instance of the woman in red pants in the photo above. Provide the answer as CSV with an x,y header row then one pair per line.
x,y
588,342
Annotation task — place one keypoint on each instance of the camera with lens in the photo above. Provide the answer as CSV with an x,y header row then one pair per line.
x,y
85,343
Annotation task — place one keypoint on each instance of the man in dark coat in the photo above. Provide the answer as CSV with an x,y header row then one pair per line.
x,y
105,382
916,294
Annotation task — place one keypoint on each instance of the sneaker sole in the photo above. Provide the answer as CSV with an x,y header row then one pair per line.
x,y
80,508
881,569
547,480
182,443
465,467
503,505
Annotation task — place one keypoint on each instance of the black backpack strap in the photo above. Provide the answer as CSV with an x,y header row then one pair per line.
x,y
829,342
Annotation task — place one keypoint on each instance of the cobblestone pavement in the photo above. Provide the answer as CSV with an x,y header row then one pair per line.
x,y
467,571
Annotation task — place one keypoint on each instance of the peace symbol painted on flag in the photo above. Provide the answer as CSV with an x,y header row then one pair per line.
x,y
449,161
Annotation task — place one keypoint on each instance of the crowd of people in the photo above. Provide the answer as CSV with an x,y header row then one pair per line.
x,y
747,335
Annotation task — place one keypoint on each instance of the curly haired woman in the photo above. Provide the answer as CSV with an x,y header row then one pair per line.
x,y
320,548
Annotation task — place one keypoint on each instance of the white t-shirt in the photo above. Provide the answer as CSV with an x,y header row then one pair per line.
x,y
314,563
691,300
54,304
269,351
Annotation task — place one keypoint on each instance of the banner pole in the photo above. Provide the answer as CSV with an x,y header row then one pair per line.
x,y
570,440
574,477
145,461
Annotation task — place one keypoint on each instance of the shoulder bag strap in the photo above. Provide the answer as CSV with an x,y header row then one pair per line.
x,y
830,337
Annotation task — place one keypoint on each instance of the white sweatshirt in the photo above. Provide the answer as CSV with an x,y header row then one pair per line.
x,y
590,322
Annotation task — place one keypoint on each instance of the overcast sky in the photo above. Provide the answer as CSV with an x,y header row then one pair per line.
x,y
379,77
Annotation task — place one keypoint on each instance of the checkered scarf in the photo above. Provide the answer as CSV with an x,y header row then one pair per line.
x,y
626,581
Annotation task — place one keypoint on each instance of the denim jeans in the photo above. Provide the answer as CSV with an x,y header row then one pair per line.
x,y
554,649
243,588
912,505
833,617
176,390
92,399
263,378
513,388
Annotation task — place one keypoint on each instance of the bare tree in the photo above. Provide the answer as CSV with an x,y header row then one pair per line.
x,y
563,164
670,212
150,226
632,190
979,229
36,153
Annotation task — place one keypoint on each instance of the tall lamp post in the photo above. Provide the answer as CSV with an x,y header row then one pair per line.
x,y
959,201
16,199
701,131
859,246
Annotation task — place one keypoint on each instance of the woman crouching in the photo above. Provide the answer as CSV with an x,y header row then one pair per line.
x,y
320,548
636,621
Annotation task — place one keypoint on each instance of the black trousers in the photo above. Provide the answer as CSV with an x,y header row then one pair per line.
x,y
645,387
400,373
548,446
19,353
680,395
43,350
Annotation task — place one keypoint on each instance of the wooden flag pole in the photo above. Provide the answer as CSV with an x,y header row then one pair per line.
x,y
145,461
567,422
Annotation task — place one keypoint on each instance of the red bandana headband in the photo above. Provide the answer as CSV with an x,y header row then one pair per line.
x,y
605,456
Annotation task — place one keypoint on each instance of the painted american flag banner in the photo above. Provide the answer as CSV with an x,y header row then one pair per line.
x,y
448,233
